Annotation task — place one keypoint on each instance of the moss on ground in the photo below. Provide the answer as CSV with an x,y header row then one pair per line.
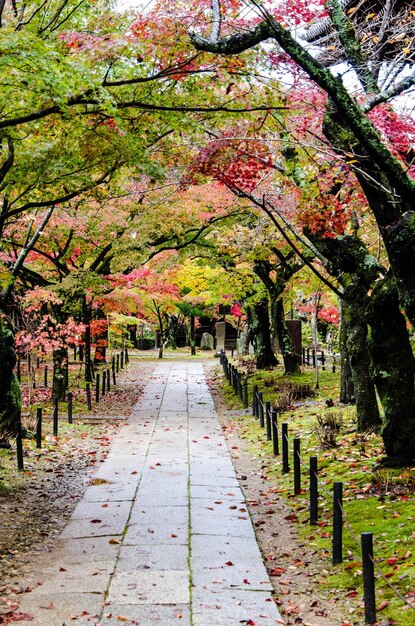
x,y
377,500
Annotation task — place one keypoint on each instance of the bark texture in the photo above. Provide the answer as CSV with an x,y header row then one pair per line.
x,y
10,394
261,336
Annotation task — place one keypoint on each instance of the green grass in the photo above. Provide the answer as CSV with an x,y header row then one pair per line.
x,y
375,500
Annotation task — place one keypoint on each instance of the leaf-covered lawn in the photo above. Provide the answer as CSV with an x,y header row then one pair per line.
x,y
375,499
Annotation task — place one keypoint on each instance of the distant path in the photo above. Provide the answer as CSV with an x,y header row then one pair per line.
x,y
162,535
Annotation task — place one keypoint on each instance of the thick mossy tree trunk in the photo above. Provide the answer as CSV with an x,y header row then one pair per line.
x,y
393,373
356,269
367,410
290,358
60,373
259,326
346,379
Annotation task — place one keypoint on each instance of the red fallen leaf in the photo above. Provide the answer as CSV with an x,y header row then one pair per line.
x,y
392,560
277,571
172,535
134,472
104,506
229,563
250,622
351,594
233,507
218,502
291,518
246,581
382,605
95,521
62,569
291,609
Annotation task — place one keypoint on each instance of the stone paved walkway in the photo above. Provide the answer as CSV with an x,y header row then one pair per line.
x,y
162,536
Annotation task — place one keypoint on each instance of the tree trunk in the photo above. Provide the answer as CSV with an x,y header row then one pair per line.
x,y
367,410
290,358
192,335
60,373
393,373
261,335
161,329
86,319
346,380
132,331
10,394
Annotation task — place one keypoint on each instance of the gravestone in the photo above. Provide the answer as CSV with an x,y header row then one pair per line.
x,y
207,342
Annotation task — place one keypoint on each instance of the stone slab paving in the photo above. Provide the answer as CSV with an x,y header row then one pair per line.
x,y
162,535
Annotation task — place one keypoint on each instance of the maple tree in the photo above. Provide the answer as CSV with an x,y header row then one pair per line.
x,y
381,160
384,177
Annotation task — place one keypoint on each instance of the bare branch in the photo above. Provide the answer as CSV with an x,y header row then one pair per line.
x,y
385,96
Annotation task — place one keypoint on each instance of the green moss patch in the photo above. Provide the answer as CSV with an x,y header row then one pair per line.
x,y
377,500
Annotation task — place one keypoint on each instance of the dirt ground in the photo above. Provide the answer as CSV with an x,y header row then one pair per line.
x,y
34,513
38,503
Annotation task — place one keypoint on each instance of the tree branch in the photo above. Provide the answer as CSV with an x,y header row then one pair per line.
x,y
216,21
8,163
61,199
362,128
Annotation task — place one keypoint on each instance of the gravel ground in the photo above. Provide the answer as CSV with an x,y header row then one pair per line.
x,y
36,504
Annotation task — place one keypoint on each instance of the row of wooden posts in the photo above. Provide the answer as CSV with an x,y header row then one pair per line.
x,y
268,419
117,363
101,388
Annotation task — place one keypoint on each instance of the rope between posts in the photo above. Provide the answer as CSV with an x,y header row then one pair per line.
x,y
355,538
376,566
395,591
346,521
329,495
